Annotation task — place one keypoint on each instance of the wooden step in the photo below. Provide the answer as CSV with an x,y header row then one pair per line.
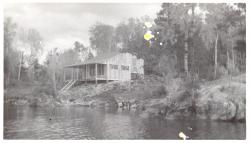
x,y
68,85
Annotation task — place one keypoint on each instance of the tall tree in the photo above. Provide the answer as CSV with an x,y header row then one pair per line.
x,y
20,65
240,41
52,65
32,42
102,38
221,25
130,37
174,27
10,54
81,50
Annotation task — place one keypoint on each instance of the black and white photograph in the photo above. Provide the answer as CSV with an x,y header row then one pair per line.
x,y
124,71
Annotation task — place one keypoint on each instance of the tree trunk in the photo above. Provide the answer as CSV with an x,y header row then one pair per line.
x,y
6,66
192,69
54,74
8,79
186,53
228,61
86,73
229,67
54,82
215,55
241,61
233,62
20,66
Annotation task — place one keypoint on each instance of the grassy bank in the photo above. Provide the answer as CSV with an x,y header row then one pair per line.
x,y
29,93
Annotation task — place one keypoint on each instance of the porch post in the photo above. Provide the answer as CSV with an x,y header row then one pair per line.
x,y
77,72
129,69
107,71
63,74
86,74
96,74
72,74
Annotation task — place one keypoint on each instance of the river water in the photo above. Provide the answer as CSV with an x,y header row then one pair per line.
x,y
76,122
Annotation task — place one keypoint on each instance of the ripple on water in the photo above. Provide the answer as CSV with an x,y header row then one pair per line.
x,y
89,124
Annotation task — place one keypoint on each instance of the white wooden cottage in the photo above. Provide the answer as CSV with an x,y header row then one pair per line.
x,y
113,66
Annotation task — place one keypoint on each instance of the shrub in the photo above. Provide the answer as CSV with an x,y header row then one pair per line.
x,y
234,71
222,89
189,88
221,71
191,84
160,92
20,84
46,89
183,96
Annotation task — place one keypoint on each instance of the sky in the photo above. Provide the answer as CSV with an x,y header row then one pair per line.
x,y
60,24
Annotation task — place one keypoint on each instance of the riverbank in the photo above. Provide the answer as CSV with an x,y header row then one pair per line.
x,y
32,94
223,99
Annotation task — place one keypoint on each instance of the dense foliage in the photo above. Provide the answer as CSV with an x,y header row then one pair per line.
x,y
202,41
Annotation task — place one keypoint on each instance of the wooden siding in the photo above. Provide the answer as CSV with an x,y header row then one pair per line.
x,y
122,59
118,67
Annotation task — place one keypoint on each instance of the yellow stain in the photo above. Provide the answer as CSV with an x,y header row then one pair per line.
x,y
148,36
183,136
190,128
148,44
148,24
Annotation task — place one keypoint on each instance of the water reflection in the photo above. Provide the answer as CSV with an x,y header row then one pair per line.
x,y
77,122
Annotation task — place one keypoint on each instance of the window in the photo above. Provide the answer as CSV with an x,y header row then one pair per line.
x,y
114,67
125,67
100,69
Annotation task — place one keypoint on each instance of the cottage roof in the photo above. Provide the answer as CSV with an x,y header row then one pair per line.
x,y
100,59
